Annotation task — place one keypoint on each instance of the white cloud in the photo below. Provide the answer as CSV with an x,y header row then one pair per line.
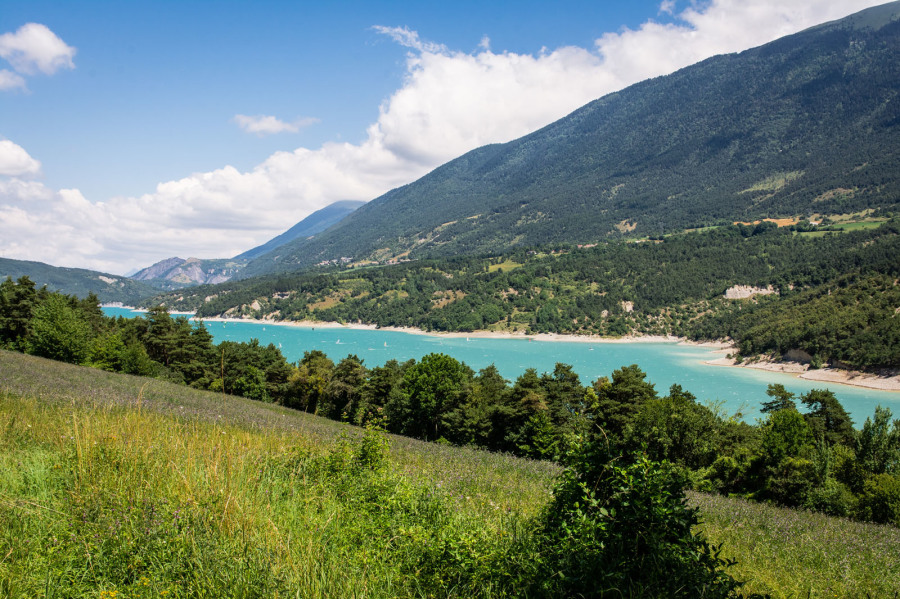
x,y
10,80
410,39
15,161
34,48
449,103
267,125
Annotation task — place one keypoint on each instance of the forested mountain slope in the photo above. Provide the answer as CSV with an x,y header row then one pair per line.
x,y
833,295
313,224
808,124
76,281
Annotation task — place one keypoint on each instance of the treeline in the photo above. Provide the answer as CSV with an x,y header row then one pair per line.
x,y
815,460
62,327
673,285
851,321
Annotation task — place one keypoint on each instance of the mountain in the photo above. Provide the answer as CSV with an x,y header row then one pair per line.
x,y
313,224
806,125
175,273
77,281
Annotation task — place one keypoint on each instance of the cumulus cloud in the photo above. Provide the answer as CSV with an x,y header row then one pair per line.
x,y
34,48
267,125
15,161
450,102
667,7
10,80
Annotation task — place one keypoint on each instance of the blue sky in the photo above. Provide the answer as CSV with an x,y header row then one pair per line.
x,y
135,131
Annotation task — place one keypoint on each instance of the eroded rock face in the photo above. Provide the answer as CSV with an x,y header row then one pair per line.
x,y
158,270
745,291
179,272
798,355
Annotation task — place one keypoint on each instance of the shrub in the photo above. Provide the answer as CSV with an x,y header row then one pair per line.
x,y
619,526
880,499
833,498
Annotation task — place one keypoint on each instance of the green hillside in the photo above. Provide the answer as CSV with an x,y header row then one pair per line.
x,y
313,224
118,486
77,281
671,286
808,124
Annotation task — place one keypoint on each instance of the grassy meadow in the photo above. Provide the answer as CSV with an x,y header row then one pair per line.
x,y
114,486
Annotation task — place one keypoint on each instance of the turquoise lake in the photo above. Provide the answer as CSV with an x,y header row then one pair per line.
x,y
737,389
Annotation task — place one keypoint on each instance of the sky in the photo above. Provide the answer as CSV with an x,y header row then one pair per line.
x,y
135,131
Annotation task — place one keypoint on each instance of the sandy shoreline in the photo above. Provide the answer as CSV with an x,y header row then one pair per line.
x,y
825,375
473,334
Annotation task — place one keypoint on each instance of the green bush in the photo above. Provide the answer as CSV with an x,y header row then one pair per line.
x,y
618,526
59,332
833,498
880,499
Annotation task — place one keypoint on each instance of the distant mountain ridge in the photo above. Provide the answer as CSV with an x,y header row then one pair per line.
x,y
176,273
77,281
313,224
808,124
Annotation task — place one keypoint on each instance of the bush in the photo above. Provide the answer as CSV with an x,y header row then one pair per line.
x,y
791,481
619,526
59,332
833,498
880,499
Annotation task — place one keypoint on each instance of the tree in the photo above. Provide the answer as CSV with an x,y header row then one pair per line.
x,y
678,429
381,385
782,399
488,390
565,399
880,499
787,445
878,445
514,409
17,303
343,393
785,435
827,418
620,400
433,392
59,331
306,384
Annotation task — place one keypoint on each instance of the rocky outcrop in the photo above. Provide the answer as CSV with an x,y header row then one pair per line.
x,y
158,270
745,291
175,273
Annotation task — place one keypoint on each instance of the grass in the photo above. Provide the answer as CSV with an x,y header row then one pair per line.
x,y
109,501
506,266
116,486
790,553
861,225
774,182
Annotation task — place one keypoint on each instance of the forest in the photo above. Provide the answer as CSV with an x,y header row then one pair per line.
x,y
805,453
806,124
834,293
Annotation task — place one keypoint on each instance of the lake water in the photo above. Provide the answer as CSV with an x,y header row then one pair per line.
x,y
736,389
